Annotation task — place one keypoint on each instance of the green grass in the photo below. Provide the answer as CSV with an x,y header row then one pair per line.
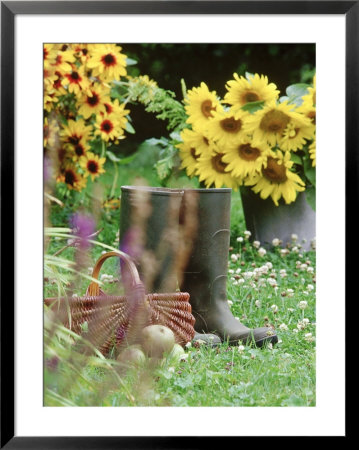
x,y
282,375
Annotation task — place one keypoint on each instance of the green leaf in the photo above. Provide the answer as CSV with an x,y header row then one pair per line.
x,y
295,93
296,159
310,196
130,62
164,166
121,161
129,128
252,107
309,170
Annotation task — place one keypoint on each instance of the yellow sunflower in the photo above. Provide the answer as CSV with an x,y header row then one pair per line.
x,y
310,99
254,89
64,58
244,159
212,171
108,127
226,127
107,62
268,124
93,102
93,165
75,132
308,111
200,104
276,180
49,56
72,179
76,80
313,152
296,135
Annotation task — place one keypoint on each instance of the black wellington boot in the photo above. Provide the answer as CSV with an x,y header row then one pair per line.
x,y
151,234
205,276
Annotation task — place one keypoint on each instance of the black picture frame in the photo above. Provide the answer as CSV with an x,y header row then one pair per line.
x,y
9,10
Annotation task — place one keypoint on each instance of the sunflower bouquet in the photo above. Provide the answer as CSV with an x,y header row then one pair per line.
x,y
83,115
252,138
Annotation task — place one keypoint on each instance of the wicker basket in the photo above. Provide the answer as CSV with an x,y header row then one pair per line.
x,y
109,321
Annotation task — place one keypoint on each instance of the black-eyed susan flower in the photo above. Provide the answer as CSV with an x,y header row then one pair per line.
x,y
244,159
72,178
64,57
107,62
255,88
296,135
200,104
211,169
81,52
226,127
268,124
76,80
276,180
75,131
49,56
108,127
92,165
118,110
78,150
93,101
50,101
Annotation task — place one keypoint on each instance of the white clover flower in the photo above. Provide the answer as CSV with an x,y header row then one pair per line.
x,y
238,271
313,244
283,327
306,321
310,270
240,281
261,282
188,345
241,348
235,283
275,242
104,277
237,318
171,369
305,292
295,330
283,273
74,295
247,234
270,346
303,304
247,275
290,309
284,252
290,292
89,270
230,303
303,266
294,237
272,282
231,271
239,239
234,257
256,244
310,287
274,308
262,251
309,337
252,284
295,249
258,303
269,265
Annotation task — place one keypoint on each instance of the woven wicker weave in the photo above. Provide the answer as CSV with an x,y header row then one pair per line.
x,y
118,320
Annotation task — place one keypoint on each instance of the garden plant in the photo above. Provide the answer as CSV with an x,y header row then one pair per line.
x,y
251,138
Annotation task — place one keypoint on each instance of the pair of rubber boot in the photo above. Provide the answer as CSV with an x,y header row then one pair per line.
x,y
179,239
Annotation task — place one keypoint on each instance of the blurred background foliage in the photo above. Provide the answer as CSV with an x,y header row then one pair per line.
x,y
167,64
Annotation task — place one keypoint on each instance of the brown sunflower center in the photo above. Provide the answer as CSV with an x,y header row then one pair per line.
x,y
79,150
205,140
275,172
106,126
94,100
231,125
75,76
64,47
74,140
108,108
70,177
46,53
248,153
274,121
217,163
207,108
61,153
250,96
109,60
92,166
58,59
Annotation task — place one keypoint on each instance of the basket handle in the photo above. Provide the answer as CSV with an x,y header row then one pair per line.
x,y
93,289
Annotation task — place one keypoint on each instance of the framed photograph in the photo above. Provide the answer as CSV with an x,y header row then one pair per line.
x,y
197,119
